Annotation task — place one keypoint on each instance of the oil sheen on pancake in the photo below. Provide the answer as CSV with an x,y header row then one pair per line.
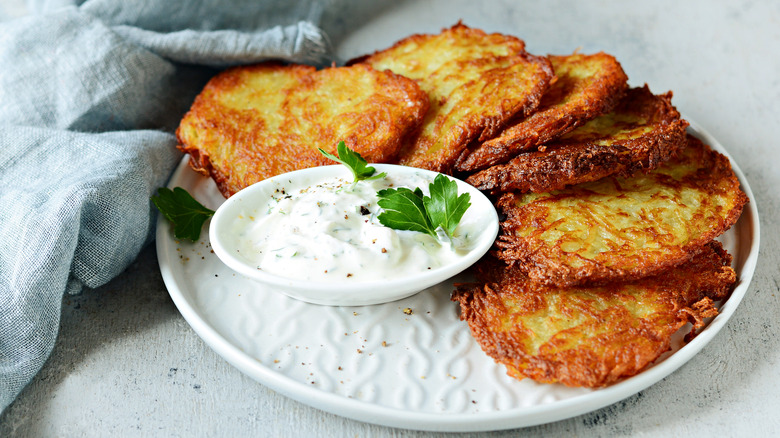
x,y
254,122
589,335
622,228
586,86
476,83
642,132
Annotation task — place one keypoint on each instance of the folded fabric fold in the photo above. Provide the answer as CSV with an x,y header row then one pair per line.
x,y
226,47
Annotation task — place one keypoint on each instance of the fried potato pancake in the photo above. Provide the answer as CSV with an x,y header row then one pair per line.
x,y
251,123
642,132
589,335
476,82
586,86
622,228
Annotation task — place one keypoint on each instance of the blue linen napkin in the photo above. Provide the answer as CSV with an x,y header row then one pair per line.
x,y
90,94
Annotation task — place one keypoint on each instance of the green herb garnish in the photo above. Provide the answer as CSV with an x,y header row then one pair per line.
x,y
445,208
354,161
409,210
404,210
185,214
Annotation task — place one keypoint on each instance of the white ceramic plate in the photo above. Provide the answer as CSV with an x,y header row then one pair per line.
x,y
382,365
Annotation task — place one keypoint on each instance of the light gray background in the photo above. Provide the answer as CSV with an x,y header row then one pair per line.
x,y
126,363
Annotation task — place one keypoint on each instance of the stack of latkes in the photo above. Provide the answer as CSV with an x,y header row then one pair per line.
x,y
609,208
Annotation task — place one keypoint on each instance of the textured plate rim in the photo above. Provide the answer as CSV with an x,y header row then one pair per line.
x,y
483,421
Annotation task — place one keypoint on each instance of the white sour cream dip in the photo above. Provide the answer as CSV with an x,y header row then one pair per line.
x,y
329,231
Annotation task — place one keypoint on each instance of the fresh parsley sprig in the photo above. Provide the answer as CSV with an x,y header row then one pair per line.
x,y
409,210
354,161
185,214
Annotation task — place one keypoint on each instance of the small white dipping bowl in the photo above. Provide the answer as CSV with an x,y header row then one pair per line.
x,y
345,292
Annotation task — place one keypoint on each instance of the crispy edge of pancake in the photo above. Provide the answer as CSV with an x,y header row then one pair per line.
x,y
411,43
572,99
477,109
234,147
589,336
587,154
552,265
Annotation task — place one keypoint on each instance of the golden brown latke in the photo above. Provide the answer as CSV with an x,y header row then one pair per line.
x,y
476,82
622,228
251,123
589,335
586,86
642,132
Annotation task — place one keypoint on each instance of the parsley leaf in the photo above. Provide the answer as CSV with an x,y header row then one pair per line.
x,y
404,210
445,208
354,161
410,210
185,214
